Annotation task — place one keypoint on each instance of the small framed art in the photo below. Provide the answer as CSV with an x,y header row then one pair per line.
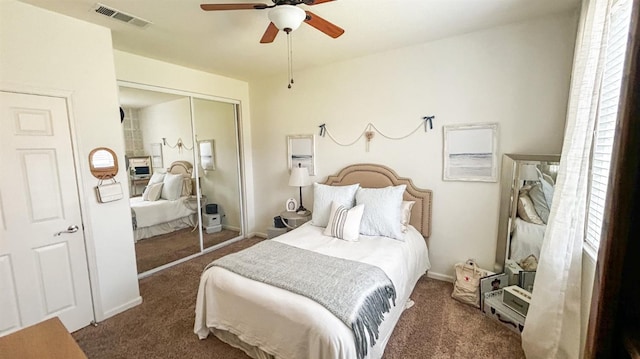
x,y
291,205
491,283
301,151
470,153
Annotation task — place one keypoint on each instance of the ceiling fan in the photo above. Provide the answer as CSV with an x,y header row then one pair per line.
x,y
284,15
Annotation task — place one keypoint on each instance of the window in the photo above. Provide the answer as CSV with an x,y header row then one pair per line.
x,y
607,118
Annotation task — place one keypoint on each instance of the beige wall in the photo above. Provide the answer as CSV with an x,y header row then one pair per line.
x,y
170,120
516,76
43,51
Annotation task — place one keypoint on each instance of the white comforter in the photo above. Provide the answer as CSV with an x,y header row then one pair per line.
x,y
288,325
526,239
150,213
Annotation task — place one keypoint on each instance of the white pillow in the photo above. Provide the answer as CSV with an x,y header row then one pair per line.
x,y
405,214
152,192
381,211
323,195
172,188
156,177
344,223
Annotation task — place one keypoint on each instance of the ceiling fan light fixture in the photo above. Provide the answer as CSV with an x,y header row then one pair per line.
x,y
287,17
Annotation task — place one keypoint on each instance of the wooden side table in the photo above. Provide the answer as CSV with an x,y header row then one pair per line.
x,y
294,220
47,339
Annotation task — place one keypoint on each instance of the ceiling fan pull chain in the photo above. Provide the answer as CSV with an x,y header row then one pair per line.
x,y
290,58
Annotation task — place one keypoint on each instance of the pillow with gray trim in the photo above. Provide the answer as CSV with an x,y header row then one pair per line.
x,y
344,223
152,192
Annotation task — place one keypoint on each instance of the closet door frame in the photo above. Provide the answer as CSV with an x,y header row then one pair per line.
x,y
240,165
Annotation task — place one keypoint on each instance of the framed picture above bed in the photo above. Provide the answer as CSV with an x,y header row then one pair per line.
x,y
301,151
470,152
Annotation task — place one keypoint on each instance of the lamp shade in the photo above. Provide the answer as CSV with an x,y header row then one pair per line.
x,y
287,17
299,177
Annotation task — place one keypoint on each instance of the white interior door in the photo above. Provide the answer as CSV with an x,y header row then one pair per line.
x,y
43,263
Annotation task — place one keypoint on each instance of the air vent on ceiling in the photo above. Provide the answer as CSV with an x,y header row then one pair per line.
x,y
119,15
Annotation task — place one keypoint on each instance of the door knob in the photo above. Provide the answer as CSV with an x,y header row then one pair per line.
x,y
71,229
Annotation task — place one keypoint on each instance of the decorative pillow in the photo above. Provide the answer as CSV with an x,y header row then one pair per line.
x,y
156,177
172,188
539,202
152,192
405,214
547,187
323,195
381,215
344,223
526,210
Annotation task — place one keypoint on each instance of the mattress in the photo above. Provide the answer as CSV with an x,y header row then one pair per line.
x,y
289,325
150,213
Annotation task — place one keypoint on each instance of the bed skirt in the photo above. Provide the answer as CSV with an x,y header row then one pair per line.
x,y
233,340
163,228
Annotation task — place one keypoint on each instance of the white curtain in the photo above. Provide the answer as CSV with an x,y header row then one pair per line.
x,y
553,324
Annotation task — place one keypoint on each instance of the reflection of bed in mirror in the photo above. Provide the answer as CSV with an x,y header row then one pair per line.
x,y
526,197
165,204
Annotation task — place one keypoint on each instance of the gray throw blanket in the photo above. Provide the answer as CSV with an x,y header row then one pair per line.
x,y
357,293
134,220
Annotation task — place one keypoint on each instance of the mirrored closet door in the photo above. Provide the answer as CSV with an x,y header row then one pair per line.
x,y
218,170
183,160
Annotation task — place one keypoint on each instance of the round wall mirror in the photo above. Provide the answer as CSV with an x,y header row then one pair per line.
x,y
103,163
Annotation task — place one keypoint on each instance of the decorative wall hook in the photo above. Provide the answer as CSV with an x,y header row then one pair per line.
x,y
179,144
368,135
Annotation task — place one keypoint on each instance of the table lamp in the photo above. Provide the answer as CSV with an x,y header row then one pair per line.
x,y
299,178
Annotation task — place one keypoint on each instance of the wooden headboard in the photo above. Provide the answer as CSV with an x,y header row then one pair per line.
x,y
377,176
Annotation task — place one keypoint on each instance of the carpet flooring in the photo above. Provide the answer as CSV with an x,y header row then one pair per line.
x,y
166,248
437,326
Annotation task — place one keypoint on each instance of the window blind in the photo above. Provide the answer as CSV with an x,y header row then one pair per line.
x,y
606,119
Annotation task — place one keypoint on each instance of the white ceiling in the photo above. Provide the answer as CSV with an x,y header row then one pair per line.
x,y
227,42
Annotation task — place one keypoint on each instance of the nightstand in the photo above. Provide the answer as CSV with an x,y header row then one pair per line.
x,y
294,220
192,203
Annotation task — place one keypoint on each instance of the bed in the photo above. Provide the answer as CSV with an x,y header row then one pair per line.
x,y
157,212
267,321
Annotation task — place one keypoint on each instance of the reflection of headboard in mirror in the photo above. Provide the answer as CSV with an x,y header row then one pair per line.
x,y
520,210
185,169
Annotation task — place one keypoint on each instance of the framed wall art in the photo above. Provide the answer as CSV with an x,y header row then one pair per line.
x,y
156,155
470,153
301,150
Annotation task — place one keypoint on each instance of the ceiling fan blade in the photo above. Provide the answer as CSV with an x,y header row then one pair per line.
x,y
316,2
217,7
323,25
269,34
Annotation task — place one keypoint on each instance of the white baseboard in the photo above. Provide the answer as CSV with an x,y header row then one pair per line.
x,y
231,228
123,307
257,234
439,276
